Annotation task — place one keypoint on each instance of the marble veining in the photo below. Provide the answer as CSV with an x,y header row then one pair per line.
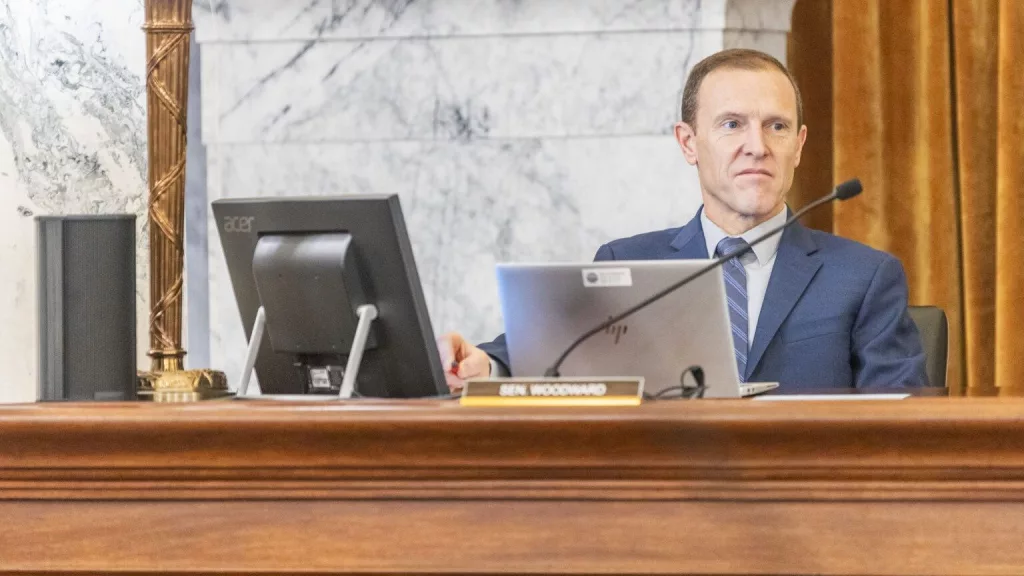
x,y
467,206
256,20
18,289
532,130
512,130
72,110
752,15
773,43
72,129
550,86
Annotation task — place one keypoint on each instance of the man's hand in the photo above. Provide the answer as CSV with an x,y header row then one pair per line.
x,y
461,361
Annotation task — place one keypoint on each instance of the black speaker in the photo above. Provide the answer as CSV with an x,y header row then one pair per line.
x,y
87,307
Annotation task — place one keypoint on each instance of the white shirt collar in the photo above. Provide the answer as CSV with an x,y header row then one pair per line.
x,y
764,251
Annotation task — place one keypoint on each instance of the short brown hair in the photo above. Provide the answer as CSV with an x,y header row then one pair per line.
x,y
737,58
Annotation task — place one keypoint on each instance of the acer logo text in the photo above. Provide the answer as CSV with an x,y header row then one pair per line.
x,y
242,224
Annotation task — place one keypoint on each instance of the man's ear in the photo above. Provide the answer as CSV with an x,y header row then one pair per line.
x,y
686,136
802,137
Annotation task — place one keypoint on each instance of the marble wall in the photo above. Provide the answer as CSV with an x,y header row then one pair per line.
x,y
72,140
526,130
532,130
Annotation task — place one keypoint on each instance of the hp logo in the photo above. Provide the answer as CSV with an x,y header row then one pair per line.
x,y
617,330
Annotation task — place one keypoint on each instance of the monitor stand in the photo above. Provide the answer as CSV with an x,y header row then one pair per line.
x,y
367,314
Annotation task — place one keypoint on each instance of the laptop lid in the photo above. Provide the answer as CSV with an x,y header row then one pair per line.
x,y
547,306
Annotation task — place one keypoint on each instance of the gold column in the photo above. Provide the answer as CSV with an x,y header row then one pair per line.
x,y
168,28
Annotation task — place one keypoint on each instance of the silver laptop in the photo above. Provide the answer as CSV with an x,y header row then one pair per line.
x,y
547,306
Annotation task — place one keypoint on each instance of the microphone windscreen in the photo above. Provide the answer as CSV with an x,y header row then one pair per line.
x,y
849,189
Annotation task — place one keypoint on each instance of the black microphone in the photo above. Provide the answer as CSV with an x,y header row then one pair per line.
x,y
844,191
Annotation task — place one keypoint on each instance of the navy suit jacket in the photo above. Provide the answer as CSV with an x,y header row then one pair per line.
x,y
834,315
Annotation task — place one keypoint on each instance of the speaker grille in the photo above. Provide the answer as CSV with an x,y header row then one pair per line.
x,y
87,307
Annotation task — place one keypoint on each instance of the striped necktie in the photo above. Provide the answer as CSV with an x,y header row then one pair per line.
x,y
736,295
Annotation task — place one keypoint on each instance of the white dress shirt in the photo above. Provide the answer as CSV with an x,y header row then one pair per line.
x,y
757,263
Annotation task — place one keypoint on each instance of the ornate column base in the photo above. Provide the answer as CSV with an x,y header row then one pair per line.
x,y
183,385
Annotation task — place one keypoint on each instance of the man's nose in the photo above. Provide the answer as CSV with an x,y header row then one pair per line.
x,y
754,143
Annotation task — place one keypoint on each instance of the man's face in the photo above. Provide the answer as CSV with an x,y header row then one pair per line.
x,y
746,143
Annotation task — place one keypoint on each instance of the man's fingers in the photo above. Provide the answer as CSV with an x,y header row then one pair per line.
x,y
446,346
461,361
450,346
455,383
476,365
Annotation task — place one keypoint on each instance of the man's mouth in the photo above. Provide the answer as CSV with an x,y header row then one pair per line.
x,y
755,172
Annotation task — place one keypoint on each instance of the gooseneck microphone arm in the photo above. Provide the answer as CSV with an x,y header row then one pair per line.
x,y
844,191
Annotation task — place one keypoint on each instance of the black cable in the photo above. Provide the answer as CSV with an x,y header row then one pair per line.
x,y
685,392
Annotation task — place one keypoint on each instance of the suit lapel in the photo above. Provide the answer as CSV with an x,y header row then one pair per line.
x,y
689,243
796,263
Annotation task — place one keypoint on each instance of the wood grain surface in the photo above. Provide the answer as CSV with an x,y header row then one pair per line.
x,y
919,486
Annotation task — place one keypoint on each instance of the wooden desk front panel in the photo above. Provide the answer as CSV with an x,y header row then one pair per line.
x,y
928,486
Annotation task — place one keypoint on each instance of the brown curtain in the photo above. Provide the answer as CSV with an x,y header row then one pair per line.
x,y
927,105
809,59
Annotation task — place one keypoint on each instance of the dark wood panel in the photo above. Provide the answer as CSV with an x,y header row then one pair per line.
x,y
721,449
920,486
517,537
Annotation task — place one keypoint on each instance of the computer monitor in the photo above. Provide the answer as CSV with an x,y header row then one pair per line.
x,y
313,265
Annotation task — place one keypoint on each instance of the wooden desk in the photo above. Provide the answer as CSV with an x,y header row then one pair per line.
x,y
920,486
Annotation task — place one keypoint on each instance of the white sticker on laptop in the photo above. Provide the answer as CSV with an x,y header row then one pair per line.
x,y
607,277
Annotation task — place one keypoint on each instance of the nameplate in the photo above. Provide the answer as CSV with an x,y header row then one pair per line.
x,y
603,391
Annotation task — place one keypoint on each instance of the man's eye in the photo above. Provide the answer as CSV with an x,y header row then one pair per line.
x,y
731,124
778,126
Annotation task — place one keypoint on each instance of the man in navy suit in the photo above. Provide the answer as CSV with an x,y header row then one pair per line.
x,y
808,309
